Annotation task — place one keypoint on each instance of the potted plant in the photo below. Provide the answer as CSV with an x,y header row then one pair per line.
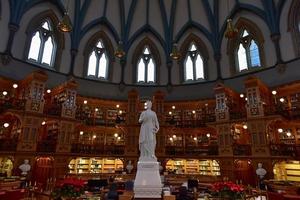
x,y
228,190
69,188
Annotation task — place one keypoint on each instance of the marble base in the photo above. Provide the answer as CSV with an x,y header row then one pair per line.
x,y
147,182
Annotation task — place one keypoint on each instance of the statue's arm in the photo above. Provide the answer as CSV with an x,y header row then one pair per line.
x,y
141,117
156,124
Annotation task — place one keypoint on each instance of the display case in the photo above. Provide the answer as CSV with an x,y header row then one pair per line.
x,y
95,165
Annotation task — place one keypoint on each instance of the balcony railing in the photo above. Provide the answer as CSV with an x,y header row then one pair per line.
x,y
237,115
174,150
98,149
12,103
283,150
46,146
8,144
203,150
53,109
241,150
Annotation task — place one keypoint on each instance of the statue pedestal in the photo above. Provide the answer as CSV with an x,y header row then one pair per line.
x,y
147,182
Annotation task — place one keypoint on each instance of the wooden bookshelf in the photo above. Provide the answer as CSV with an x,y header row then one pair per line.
x,y
95,165
194,166
287,171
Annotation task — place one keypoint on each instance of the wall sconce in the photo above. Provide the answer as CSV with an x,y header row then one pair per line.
x,y
15,86
6,125
281,100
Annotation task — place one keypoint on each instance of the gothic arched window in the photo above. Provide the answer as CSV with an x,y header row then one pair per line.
x,y
193,64
146,67
294,24
98,62
247,52
43,45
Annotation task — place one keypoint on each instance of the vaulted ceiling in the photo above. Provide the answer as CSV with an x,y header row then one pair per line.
x,y
167,20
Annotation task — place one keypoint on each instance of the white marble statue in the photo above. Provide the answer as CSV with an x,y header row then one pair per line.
x,y
149,128
260,171
25,167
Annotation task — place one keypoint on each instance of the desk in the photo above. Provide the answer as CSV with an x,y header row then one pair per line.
x,y
9,185
169,197
291,197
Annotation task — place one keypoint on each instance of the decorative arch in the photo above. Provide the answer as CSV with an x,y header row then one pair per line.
x,y
35,23
255,34
90,45
294,25
202,50
146,42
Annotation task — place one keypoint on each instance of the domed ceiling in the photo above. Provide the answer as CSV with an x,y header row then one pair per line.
x,y
165,22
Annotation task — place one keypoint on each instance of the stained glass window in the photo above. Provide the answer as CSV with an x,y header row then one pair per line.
x,y
146,67
42,45
247,52
98,61
193,65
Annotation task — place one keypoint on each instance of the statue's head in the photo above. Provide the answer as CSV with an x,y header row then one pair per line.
x,y
148,104
26,161
259,165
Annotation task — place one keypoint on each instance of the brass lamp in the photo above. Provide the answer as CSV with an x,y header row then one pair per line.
x,y
175,54
230,32
120,53
65,24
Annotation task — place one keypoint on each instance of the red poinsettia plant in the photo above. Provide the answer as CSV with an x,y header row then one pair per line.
x,y
68,188
228,190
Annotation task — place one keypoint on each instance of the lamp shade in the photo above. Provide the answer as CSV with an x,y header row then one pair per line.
x,y
175,54
120,53
230,32
65,24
